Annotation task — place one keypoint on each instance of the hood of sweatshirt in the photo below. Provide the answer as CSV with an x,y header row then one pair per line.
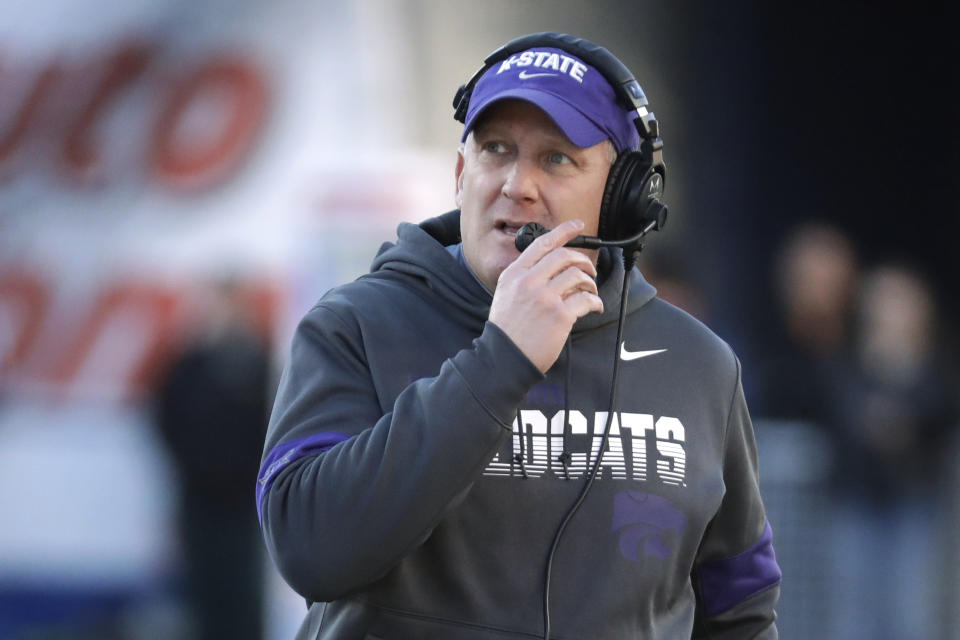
x,y
420,252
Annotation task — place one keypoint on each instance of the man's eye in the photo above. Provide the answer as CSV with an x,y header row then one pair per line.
x,y
559,158
494,147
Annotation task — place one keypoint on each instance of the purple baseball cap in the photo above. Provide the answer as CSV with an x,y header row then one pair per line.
x,y
574,94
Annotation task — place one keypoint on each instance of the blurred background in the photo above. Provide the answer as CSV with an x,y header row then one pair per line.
x,y
181,179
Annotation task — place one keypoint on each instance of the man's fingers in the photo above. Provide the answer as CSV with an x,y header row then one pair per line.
x,y
559,259
571,280
583,302
543,245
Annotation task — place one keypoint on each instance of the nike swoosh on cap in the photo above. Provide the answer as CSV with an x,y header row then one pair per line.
x,y
633,355
526,76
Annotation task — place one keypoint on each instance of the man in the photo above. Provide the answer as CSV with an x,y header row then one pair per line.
x,y
439,417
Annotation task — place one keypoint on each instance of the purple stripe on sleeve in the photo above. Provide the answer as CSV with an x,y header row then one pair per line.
x,y
726,582
286,453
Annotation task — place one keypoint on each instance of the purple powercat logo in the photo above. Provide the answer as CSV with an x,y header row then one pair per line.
x,y
646,522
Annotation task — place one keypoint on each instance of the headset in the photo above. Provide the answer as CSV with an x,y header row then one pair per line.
x,y
631,204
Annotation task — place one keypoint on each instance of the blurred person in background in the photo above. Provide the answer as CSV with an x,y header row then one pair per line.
x,y
800,376
898,415
409,487
796,386
212,408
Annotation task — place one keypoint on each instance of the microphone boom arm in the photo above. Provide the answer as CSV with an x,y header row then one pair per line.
x,y
532,230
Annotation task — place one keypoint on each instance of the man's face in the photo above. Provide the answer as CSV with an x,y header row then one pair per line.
x,y
516,167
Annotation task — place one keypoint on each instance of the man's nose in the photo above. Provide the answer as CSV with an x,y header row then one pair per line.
x,y
520,184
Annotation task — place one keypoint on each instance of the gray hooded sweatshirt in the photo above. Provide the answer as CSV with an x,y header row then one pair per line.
x,y
417,467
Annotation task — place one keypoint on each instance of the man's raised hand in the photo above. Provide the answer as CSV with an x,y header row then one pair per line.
x,y
541,294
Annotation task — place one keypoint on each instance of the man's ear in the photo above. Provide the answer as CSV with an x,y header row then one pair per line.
x,y
458,176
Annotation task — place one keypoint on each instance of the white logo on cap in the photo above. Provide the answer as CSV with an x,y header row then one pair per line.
x,y
526,76
545,60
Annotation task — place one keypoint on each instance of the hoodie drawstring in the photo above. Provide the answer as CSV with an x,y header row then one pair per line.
x,y
521,436
565,458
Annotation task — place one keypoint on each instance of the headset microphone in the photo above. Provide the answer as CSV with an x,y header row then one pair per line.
x,y
533,230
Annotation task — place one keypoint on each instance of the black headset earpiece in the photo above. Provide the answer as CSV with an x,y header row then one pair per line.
x,y
632,196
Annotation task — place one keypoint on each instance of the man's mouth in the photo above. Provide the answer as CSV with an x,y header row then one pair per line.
x,y
508,228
